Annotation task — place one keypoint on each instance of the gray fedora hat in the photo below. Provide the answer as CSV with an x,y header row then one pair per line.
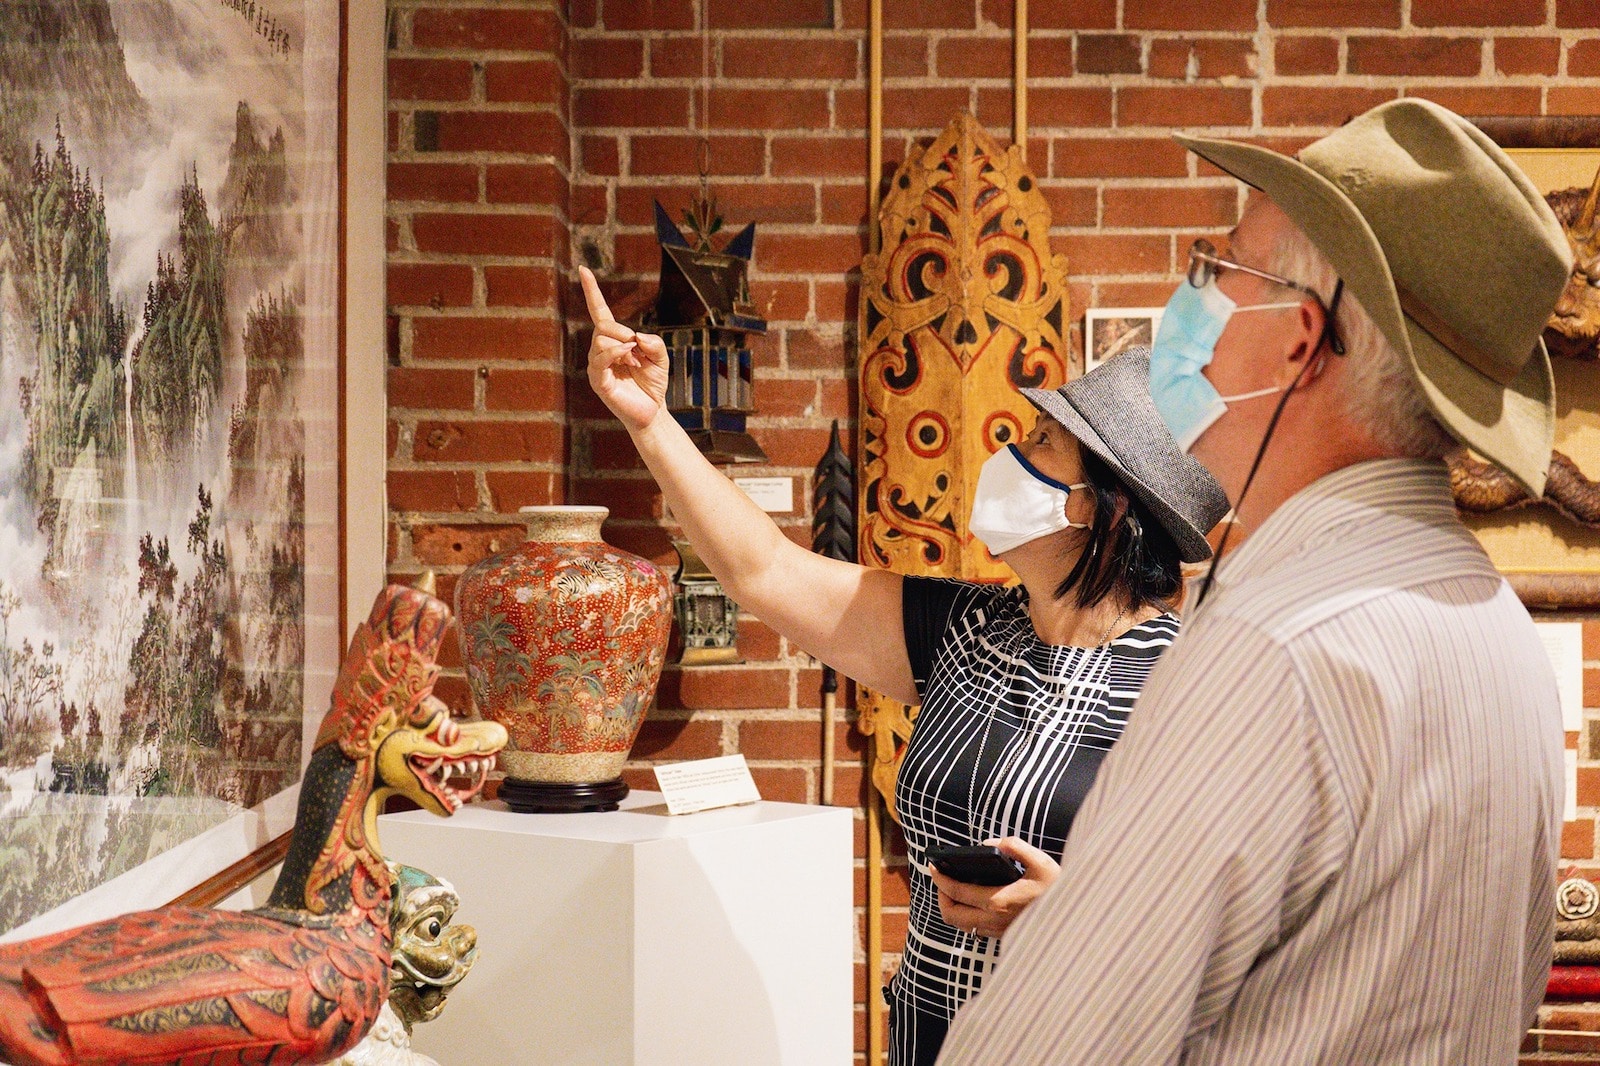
x,y
1110,411
1450,250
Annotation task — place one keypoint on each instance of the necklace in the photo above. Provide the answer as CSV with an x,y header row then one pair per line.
x,y
1112,628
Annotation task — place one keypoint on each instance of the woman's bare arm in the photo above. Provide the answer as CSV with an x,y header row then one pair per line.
x,y
844,614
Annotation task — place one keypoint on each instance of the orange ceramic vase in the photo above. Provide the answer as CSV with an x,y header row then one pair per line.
x,y
563,638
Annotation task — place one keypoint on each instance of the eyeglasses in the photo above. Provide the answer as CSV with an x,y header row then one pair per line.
x,y
1205,264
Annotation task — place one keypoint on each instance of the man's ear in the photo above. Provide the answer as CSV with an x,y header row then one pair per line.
x,y
1304,341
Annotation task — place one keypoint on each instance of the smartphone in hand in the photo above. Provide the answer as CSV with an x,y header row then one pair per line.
x,y
975,864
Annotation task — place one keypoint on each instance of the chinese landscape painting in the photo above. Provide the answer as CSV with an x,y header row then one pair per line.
x,y
169,300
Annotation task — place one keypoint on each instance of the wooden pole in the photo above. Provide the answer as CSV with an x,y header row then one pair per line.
x,y
830,718
874,121
876,1008
1020,87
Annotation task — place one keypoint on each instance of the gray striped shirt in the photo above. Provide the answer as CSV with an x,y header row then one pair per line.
x,y
1330,831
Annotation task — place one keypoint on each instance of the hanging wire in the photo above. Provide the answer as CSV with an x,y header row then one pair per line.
x,y
702,216
705,97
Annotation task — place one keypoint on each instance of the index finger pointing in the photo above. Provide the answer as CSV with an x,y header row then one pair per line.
x,y
598,309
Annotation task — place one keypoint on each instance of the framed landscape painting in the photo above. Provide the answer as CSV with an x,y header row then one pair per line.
x,y
173,505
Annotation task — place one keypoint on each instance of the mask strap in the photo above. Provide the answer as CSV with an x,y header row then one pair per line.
x,y
1268,391
1268,307
1040,475
1261,453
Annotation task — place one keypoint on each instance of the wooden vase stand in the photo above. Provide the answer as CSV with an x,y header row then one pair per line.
x,y
561,797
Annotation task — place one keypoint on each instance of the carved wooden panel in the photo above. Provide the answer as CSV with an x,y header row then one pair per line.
x,y
964,304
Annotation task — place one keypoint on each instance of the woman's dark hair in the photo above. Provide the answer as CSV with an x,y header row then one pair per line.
x,y
1125,549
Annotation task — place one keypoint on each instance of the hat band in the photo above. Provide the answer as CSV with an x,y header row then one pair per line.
x,y
1459,346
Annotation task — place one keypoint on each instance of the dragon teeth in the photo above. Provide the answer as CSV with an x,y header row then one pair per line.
x,y
473,767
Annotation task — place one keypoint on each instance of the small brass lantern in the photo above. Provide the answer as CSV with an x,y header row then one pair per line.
x,y
708,619
703,313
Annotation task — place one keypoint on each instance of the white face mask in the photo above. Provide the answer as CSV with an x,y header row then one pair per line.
x,y
1015,504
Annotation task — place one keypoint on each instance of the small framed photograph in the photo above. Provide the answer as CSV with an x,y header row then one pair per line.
x,y
1109,330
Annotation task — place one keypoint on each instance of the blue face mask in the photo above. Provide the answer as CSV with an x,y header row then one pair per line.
x,y
1193,320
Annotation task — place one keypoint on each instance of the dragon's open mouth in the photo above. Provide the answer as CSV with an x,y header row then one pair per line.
x,y
453,780
448,968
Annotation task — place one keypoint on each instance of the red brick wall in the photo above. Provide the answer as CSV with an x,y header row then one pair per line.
x,y
527,136
478,227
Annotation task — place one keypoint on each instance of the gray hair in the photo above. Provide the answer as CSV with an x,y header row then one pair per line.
x,y
1383,396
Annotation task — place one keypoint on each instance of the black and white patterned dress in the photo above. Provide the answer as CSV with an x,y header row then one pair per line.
x,y
1007,743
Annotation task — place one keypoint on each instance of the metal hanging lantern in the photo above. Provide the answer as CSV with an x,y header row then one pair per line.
x,y
704,314
708,618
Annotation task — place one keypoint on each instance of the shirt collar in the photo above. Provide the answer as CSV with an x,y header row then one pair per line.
x,y
1414,489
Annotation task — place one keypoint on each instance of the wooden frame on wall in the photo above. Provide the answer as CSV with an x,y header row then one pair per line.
x,y
338,156
1552,561
1109,331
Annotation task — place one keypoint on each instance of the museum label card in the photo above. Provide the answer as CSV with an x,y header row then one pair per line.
x,y
706,783
774,495
1563,642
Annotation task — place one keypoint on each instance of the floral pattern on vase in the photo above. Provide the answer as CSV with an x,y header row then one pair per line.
x,y
563,638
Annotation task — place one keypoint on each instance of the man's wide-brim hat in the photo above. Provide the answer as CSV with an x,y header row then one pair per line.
x,y
1451,251
1110,411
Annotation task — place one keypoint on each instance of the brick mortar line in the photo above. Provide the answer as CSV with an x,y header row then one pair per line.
x,y
939,36
413,6
1081,80
405,210
481,56
409,155
498,107
722,82
992,31
788,229
554,365
478,515
1342,80
444,518
413,419
456,258
480,270
425,312
604,474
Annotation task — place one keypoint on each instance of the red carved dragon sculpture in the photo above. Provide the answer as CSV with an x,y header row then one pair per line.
x,y
301,979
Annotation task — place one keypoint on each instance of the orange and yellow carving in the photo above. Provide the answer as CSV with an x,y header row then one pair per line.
x,y
963,305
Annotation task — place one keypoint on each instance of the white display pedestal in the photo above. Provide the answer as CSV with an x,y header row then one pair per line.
x,y
642,938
